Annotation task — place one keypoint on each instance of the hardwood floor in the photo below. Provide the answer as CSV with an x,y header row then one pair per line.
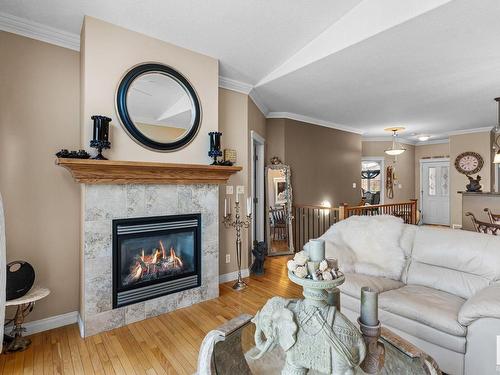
x,y
166,344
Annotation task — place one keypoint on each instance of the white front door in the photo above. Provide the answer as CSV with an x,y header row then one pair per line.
x,y
435,192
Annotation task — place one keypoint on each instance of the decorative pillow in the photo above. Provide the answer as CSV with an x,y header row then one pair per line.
x,y
368,244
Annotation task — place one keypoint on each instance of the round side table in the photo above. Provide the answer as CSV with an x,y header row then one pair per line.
x,y
24,305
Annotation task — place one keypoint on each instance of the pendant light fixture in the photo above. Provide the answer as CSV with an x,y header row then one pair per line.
x,y
496,160
396,148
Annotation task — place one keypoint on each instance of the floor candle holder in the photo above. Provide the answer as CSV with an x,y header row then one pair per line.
x,y
238,224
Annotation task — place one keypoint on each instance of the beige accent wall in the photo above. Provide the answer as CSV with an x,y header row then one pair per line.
x,y
440,150
404,167
275,142
233,123
477,142
325,162
109,52
238,116
39,115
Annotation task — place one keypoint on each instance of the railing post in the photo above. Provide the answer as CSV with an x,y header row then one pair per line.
x,y
414,211
342,211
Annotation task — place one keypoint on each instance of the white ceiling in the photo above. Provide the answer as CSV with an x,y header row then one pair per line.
x,y
362,65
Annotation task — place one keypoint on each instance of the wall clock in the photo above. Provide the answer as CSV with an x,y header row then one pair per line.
x,y
469,162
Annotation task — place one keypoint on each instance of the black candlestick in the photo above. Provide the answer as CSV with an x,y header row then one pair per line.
x,y
100,135
215,151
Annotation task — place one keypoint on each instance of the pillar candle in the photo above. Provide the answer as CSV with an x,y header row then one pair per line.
x,y
229,206
317,250
369,306
249,206
237,199
225,207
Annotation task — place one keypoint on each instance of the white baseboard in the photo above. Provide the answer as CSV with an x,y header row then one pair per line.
x,y
48,323
233,276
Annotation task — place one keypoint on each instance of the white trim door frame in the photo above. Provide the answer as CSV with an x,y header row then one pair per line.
x,y
425,163
381,161
257,186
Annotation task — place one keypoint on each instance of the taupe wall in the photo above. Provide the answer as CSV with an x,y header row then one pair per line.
x,y
109,52
39,114
477,142
233,123
325,162
403,165
440,150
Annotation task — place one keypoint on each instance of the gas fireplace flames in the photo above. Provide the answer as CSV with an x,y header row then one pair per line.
x,y
157,264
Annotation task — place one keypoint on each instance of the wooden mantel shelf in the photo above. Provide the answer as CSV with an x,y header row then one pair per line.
x,y
90,171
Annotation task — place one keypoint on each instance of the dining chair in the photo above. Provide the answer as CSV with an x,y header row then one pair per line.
x,y
494,218
483,227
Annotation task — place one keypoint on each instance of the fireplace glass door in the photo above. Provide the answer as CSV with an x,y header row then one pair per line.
x,y
155,256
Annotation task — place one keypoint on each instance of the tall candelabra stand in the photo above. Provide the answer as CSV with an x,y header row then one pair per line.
x,y
238,223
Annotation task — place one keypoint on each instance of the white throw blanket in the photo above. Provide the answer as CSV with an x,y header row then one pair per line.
x,y
367,244
3,270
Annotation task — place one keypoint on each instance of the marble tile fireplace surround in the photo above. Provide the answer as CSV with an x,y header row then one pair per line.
x,y
107,197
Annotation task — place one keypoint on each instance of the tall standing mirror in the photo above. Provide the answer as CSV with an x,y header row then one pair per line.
x,y
279,207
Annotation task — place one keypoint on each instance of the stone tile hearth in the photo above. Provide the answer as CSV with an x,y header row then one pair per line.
x,y
102,204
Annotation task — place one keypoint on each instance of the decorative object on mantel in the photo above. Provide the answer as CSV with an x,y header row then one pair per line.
x,y
474,184
396,148
237,224
469,163
20,279
229,156
259,252
215,151
133,172
313,334
100,135
80,154
158,107
25,305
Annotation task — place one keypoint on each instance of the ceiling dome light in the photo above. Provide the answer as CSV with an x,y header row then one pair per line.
x,y
396,148
424,138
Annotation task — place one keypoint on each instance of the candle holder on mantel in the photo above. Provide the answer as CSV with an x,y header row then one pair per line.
x,y
215,151
100,135
237,224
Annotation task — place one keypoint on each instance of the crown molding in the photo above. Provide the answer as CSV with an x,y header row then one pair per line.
x,y
38,31
234,85
470,131
254,95
315,121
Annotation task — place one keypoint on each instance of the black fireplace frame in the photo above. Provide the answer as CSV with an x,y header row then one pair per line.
x,y
153,220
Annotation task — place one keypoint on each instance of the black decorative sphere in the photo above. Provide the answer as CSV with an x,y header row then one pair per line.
x,y
20,279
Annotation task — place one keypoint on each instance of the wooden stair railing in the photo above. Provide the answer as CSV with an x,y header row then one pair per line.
x,y
311,221
408,211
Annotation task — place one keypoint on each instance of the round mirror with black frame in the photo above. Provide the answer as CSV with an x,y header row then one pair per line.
x,y
158,107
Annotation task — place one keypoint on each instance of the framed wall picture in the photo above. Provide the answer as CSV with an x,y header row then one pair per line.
x,y
279,190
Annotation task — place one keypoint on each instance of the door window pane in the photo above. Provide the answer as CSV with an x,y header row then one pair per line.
x,y
432,181
445,185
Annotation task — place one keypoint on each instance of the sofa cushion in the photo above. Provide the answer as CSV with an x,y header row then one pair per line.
x,y
428,306
350,307
355,281
455,261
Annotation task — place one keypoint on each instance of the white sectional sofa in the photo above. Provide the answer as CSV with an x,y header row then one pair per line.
x,y
446,299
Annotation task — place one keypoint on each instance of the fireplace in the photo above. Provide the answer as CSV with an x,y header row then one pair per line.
x,y
155,256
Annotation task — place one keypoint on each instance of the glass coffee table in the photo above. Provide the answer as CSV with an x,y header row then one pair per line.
x,y
229,350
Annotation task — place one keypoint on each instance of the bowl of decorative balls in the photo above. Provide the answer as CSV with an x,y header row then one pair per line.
x,y
315,273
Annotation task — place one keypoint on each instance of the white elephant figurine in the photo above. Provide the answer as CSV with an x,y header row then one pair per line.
x,y
312,337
